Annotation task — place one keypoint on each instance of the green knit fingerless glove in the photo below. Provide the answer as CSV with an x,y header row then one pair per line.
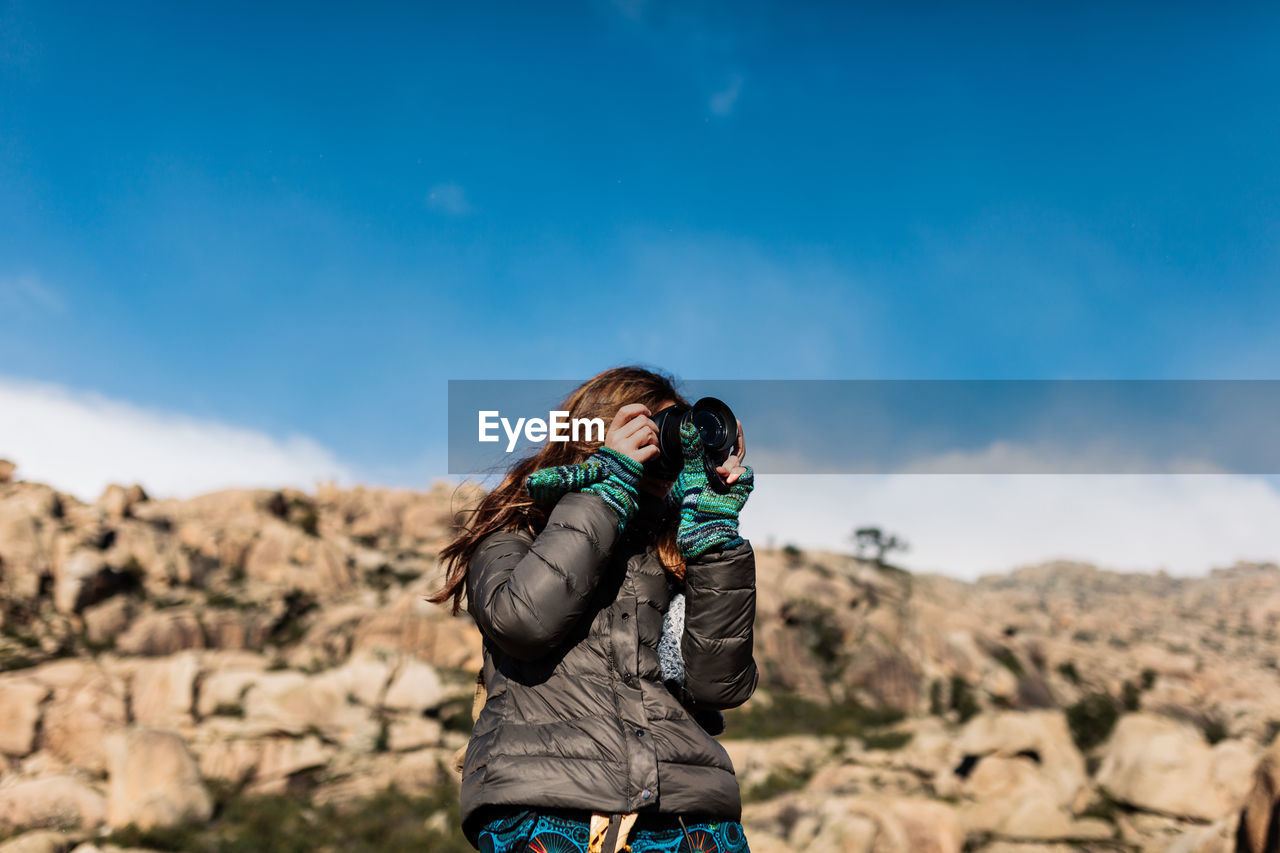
x,y
607,473
708,519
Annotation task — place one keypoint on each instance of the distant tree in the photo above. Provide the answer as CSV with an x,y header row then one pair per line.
x,y
875,543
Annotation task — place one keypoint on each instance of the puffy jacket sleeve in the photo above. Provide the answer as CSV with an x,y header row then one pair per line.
x,y
718,641
527,593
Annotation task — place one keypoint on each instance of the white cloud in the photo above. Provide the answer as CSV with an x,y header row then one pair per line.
x,y
1061,457
451,199
723,101
965,525
79,442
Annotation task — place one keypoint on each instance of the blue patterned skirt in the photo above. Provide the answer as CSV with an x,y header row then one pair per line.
x,y
553,832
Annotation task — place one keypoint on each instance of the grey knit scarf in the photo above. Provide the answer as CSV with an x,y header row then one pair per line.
x,y
669,656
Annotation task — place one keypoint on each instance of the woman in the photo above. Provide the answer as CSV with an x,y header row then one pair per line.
x,y
616,609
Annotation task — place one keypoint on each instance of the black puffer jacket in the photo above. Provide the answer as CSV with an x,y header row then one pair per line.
x,y
577,714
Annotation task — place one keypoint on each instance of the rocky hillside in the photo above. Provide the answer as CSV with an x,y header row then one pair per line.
x,y
259,670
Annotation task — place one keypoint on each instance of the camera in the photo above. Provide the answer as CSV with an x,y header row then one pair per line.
x,y
717,427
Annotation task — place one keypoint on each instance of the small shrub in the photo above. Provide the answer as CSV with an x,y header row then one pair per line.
x,y
133,573
819,630
223,601
1009,660
291,823
1102,808
1269,734
384,577
1092,719
789,714
937,698
291,625
1068,671
777,783
1130,696
1215,730
308,521
456,717
887,740
11,660
963,702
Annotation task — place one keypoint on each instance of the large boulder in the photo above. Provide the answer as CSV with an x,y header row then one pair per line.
x,y
1018,774
416,687
20,702
287,557
418,772
1260,818
1165,765
61,801
118,501
154,781
294,703
80,579
366,677
27,533
236,752
1041,737
42,841
280,759
410,733
151,549
88,703
104,621
236,629
1012,797
162,690
225,678
872,824
162,632
412,626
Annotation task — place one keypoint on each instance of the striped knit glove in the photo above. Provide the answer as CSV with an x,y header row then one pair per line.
x,y
708,520
607,473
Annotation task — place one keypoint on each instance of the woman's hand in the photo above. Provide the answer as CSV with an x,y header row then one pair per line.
x,y
633,433
708,519
613,472
732,468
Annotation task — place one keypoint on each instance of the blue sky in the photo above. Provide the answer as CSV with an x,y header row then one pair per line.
x,y
303,219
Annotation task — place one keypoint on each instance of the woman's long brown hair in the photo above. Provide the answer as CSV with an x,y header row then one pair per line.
x,y
509,507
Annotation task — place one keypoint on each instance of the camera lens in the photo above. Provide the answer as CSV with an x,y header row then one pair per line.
x,y
710,427
717,427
